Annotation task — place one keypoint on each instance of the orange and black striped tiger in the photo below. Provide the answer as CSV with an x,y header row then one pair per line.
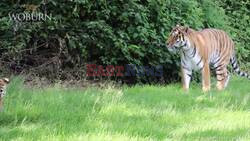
x,y
3,85
202,50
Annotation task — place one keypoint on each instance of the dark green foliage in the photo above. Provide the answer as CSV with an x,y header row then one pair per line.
x,y
112,32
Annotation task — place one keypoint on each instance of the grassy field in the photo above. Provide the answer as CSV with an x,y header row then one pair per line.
x,y
127,113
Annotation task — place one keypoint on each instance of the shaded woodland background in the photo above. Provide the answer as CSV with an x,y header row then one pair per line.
x,y
108,32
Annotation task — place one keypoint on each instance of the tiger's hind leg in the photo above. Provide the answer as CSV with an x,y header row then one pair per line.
x,y
1,104
223,77
227,80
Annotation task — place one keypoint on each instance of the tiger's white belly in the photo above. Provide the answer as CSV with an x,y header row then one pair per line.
x,y
193,63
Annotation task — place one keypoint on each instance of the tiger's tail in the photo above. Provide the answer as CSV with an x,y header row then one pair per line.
x,y
236,67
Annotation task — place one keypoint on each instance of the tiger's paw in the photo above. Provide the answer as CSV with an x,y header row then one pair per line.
x,y
185,89
220,87
205,89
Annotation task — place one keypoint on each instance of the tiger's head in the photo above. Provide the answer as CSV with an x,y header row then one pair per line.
x,y
178,39
3,85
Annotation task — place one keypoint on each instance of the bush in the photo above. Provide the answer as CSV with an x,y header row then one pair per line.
x,y
111,32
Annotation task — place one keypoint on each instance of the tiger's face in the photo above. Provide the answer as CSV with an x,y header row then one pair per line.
x,y
3,85
177,39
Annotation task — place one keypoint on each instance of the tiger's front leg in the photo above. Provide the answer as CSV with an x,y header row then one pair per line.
x,y
186,78
1,103
206,77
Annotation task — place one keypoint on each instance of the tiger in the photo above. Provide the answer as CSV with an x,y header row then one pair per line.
x,y
3,84
205,50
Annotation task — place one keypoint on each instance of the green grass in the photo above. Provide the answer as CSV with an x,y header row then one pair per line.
x,y
127,113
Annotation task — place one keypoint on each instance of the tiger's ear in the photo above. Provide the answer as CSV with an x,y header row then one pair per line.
x,y
186,30
6,80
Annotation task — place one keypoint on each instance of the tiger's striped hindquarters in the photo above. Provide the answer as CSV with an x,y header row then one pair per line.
x,y
3,85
